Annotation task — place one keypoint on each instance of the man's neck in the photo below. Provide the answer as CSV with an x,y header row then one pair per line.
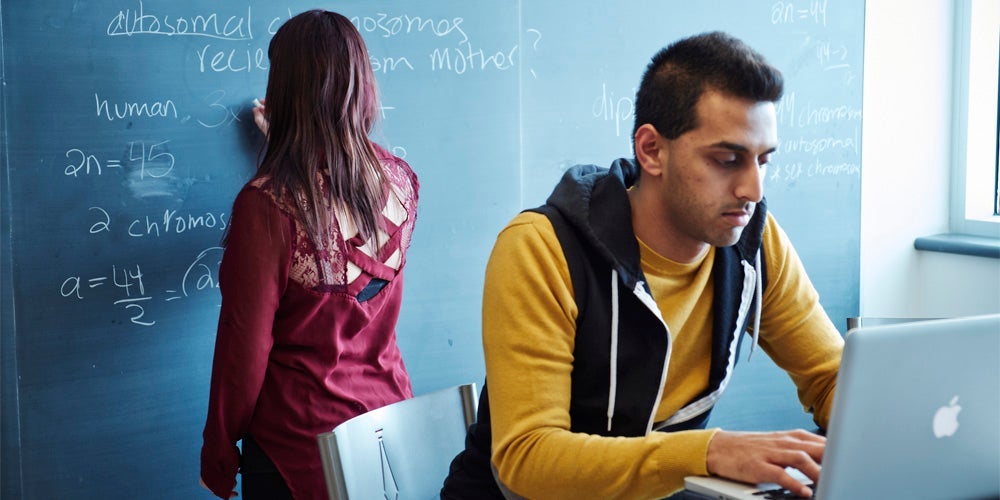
x,y
663,238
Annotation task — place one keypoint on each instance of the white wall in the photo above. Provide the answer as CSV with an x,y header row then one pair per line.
x,y
906,156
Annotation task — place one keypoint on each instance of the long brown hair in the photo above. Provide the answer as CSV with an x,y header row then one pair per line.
x,y
321,105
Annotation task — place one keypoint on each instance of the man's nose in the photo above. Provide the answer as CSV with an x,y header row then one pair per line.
x,y
750,183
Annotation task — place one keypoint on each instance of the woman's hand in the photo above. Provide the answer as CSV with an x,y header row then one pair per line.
x,y
258,115
233,494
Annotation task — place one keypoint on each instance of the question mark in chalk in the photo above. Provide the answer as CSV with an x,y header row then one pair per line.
x,y
539,33
535,47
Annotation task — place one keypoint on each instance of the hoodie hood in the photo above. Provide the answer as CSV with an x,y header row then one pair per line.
x,y
581,198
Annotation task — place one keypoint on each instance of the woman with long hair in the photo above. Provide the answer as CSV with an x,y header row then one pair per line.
x,y
311,276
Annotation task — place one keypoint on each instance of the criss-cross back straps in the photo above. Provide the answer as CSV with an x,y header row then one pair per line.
x,y
376,266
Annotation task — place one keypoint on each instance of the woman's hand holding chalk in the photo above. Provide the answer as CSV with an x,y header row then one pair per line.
x,y
258,115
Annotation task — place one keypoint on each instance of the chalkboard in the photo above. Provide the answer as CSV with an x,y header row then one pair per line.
x,y
127,132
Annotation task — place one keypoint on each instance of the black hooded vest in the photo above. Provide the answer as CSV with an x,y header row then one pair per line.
x,y
642,342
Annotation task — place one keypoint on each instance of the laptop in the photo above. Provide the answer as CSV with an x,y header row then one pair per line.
x,y
916,415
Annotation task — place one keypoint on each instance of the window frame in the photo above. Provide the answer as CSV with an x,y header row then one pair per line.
x,y
974,167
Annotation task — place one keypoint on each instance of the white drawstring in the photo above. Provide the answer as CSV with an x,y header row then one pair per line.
x,y
613,378
758,295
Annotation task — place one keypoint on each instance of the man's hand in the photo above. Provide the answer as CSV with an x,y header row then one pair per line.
x,y
759,457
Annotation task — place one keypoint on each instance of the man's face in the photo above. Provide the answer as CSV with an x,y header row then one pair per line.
x,y
713,177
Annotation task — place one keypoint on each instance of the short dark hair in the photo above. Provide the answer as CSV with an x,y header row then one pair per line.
x,y
680,73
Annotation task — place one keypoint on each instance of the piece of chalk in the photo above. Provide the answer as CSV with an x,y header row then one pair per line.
x,y
256,103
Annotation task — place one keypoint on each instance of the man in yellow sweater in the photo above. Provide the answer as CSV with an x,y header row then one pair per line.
x,y
613,314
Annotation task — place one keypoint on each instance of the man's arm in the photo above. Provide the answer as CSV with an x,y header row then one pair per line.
x,y
798,335
795,330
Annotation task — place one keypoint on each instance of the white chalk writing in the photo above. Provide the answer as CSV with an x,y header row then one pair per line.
x,y
386,26
792,12
134,109
134,295
129,22
615,109
150,160
466,58
811,114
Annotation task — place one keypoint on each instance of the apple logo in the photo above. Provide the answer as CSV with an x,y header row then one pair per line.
x,y
946,419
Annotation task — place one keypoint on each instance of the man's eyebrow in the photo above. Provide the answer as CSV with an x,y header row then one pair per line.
x,y
739,148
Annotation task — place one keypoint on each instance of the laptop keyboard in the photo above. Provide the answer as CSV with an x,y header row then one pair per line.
x,y
782,493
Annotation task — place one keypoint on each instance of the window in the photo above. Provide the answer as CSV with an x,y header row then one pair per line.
x,y
975,208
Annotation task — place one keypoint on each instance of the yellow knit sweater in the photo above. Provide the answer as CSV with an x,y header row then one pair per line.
x,y
529,315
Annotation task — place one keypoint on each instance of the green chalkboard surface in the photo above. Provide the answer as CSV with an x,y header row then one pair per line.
x,y
127,132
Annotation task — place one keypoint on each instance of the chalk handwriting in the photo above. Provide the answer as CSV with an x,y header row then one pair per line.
x,y
171,222
134,296
276,22
608,107
387,26
133,109
174,223
152,160
103,223
810,115
232,60
386,64
820,145
383,108
88,164
534,46
831,56
126,281
129,22
460,55
201,274
794,171
466,58
792,12
136,309
538,37
221,113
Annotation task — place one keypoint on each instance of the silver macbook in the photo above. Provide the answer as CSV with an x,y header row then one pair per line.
x,y
916,415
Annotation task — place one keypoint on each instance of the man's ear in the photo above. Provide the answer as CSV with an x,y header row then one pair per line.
x,y
651,149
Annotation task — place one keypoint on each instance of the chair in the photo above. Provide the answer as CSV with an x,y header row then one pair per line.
x,y
401,451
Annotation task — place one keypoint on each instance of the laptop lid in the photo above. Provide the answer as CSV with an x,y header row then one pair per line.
x,y
916,415
917,412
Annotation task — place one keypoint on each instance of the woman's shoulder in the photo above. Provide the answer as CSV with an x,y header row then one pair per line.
x,y
383,154
389,158
399,172
260,191
258,183
259,187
